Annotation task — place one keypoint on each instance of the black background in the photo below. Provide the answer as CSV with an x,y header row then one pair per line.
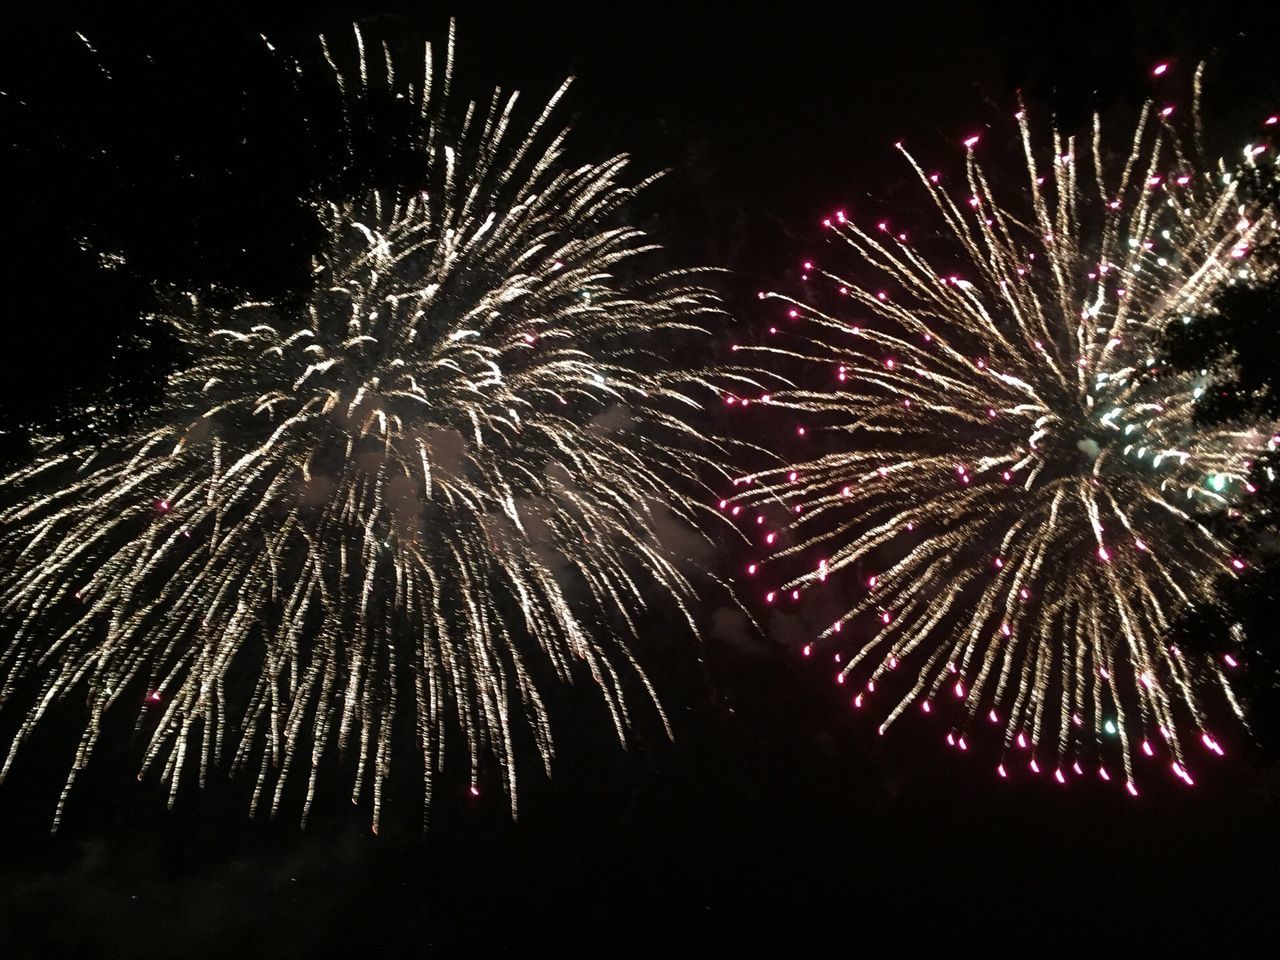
x,y
776,818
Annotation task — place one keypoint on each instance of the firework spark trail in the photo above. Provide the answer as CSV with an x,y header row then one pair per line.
x,y
444,474
1012,475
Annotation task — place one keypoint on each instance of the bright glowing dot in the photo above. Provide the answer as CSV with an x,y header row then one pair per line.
x,y
1035,767
889,363
808,649
751,569
792,476
795,594
770,597
1146,748
1102,772
1022,741
961,744
971,141
872,581
1237,563
1230,661
808,264
925,707
1167,111
857,701
1004,629
1000,770
723,504
999,563
1110,727
1057,775
1160,69
839,678
951,739
475,791
959,688
1133,790
884,617
1104,554
770,538
993,717
1272,121
800,431
153,696
735,511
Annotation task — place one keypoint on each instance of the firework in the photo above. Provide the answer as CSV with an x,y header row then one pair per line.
x,y
1005,497
434,486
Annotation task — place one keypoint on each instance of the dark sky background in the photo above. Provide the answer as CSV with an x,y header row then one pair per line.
x,y
776,819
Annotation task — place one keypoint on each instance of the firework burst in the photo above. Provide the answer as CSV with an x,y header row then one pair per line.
x,y
434,486
1009,494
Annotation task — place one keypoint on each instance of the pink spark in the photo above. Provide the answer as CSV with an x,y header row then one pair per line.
x,y
1160,69
971,141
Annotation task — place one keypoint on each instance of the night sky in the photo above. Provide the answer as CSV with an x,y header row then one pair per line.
x,y
776,818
